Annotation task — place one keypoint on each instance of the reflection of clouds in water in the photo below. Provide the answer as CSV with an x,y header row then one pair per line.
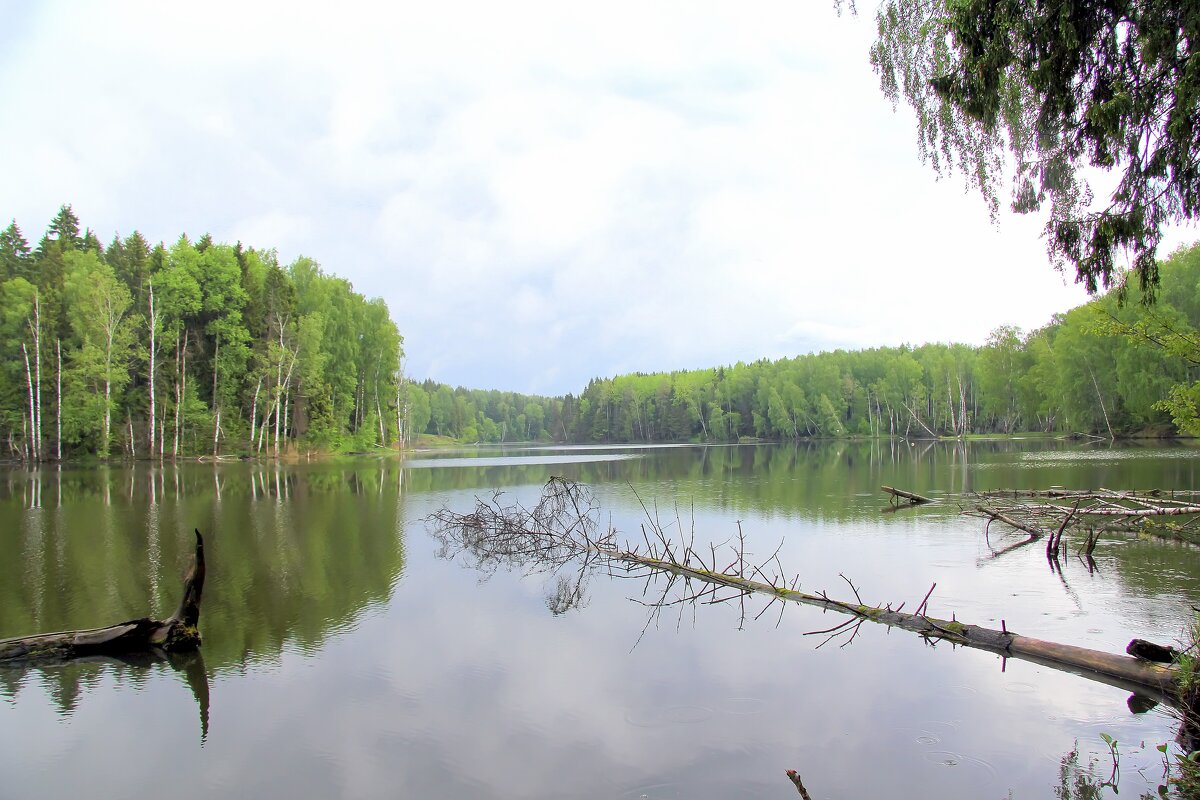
x,y
487,708
457,690
452,689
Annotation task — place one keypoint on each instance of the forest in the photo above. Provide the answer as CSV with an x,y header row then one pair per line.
x,y
206,349
1116,366
199,348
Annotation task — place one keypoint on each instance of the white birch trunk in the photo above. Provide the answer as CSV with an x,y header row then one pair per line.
x,y
58,403
178,397
30,441
216,403
37,360
279,383
254,412
153,329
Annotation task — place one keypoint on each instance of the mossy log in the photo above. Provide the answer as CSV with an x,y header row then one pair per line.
x,y
176,633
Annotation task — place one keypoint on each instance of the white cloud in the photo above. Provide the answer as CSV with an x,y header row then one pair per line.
x,y
541,193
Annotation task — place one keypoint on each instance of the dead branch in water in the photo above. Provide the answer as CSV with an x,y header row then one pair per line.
x,y
564,524
1160,513
177,633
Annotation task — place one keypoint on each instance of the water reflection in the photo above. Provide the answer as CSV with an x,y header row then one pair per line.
x,y
65,682
343,659
295,554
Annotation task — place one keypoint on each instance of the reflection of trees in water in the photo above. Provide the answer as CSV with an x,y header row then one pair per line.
x,y
65,683
832,479
295,553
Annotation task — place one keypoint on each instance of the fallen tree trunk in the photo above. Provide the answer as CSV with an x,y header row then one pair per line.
x,y
1126,672
1166,511
176,633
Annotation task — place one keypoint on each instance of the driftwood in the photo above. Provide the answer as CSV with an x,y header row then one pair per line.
x,y
1129,511
914,499
177,633
1060,492
1162,511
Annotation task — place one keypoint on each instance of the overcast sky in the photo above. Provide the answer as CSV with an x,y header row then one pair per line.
x,y
542,193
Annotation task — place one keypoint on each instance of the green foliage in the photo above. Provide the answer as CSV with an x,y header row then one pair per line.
x,y
1058,90
248,356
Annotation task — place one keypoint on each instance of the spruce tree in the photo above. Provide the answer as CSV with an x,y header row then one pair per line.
x,y
64,229
16,259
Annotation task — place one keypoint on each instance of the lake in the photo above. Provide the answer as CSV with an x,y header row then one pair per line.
x,y
346,654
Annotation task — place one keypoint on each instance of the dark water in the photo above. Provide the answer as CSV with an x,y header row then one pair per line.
x,y
344,658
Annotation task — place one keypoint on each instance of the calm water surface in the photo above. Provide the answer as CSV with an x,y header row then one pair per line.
x,y
343,657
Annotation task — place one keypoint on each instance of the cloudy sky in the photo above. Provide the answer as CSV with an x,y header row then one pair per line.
x,y
542,193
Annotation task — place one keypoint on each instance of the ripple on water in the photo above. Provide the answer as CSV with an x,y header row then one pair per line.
x,y
667,715
741,705
651,791
929,733
1019,687
948,758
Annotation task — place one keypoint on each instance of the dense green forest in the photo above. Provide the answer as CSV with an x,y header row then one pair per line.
x,y
1105,368
202,348
196,348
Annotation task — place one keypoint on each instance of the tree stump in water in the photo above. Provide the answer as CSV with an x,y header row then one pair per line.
x,y
176,633
1149,651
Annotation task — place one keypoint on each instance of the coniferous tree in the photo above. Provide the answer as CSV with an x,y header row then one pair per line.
x,y
16,258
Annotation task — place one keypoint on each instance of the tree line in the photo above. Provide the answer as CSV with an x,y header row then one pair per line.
x,y
190,349
1114,366
202,348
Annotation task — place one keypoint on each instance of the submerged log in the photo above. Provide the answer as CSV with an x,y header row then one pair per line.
x,y
176,633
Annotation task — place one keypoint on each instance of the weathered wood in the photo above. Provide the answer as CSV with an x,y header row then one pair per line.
x,y
1112,511
177,633
1060,491
910,496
